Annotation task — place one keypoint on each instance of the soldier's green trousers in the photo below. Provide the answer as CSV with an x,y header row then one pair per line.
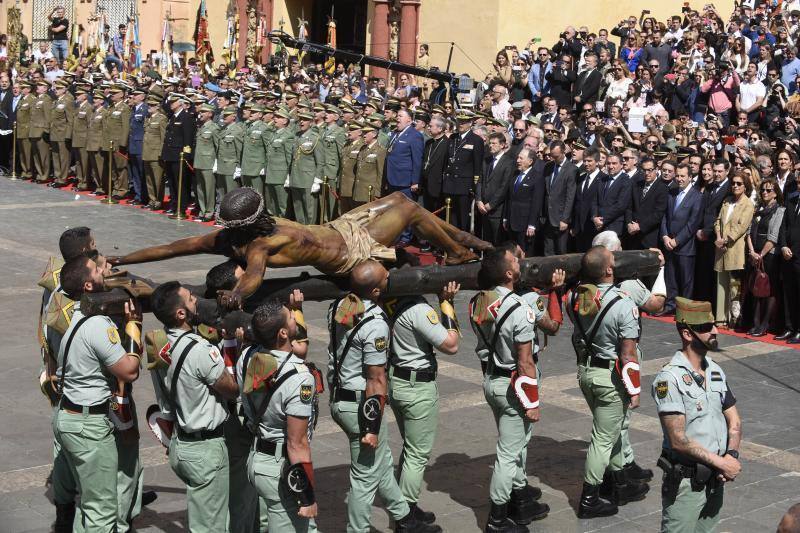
x,y
684,510
60,154
604,393
205,191
203,466
226,183
154,177
416,409
99,171
264,472
129,481
370,471
65,488
91,452
81,166
41,159
119,169
256,182
276,196
625,437
243,504
24,156
304,205
514,433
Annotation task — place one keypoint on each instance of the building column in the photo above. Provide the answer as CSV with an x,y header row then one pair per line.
x,y
379,41
265,9
407,40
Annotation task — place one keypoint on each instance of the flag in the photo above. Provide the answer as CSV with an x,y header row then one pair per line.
x,y
330,62
137,43
202,44
166,47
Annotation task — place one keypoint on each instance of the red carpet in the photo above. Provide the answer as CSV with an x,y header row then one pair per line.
x,y
768,338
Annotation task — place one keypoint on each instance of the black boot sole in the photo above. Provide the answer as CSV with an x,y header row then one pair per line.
x,y
586,514
633,498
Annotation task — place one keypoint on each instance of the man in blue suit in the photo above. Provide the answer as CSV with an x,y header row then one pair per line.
x,y
613,198
404,161
537,82
135,141
683,218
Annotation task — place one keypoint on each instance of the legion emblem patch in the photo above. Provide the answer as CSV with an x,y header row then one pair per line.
x,y
306,393
661,389
380,344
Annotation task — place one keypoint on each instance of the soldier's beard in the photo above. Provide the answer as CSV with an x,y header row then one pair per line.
x,y
192,318
711,345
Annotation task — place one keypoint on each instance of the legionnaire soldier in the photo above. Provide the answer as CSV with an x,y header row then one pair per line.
x,y
347,177
504,324
80,135
606,332
369,168
198,386
333,139
416,330
92,358
205,154
279,162
61,118
94,140
116,125
254,150
178,138
229,150
357,356
24,143
702,428
39,131
155,128
305,175
281,411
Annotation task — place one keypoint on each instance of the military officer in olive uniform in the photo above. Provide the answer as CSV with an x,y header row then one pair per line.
x,y
155,128
94,141
90,353
702,427
416,330
605,337
116,125
254,150
61,118
279,161
357,356
39,131
369,168
504,324
280,417
80,135
205,153
24,149
229,150
305,175
347,177
333,139
198,386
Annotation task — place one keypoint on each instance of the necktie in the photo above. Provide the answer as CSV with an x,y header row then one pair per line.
x,y
542,69
555,173
644,190
519,180
606,186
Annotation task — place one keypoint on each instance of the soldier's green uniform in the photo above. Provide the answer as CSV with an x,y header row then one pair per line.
x,y
279,161
229,153
24,153
94,140
333,139
205,153
38,133
155,127
197,451
384,136
116,126
254,155
348,175
307,163
687,505
602,387
82,425
267,460
413,392
371,470
80,135
61,117
369,173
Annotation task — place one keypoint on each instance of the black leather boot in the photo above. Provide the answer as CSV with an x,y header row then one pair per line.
x,y
523,509
499,521
592,505
422,516
65,516
637,473
627,490
410,524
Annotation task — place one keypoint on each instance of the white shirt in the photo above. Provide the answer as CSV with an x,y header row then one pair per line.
x,y
500,109
590,179
750,92
682,195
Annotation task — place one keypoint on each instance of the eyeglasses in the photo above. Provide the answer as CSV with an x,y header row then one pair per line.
x,y
703,328
738,164
651,142
648,169
619,139
519,129
767,190
654,66
542,55
627,157
549,131
737,184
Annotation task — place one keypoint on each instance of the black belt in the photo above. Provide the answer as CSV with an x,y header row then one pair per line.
x,y
597,362
346,395
203,434
422,376
99,409
269,447
499,372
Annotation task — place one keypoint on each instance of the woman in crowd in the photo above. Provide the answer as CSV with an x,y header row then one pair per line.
x,y
631,53
502,68
731,228
761,243
618,85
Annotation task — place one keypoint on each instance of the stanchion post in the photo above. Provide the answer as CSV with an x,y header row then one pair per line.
x,y
109,199
447,203
14,153
179,207
323,204
371,194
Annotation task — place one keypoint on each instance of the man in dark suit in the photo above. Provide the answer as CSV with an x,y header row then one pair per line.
x,y
561,78
561,180
178,137
613,198
525,196
464,168
434,161
587,85
490,195
630,165
648,205
789,245
705,277
678,227
6,122
589,181
404,161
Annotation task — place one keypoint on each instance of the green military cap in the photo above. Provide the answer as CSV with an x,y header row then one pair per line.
x,y
304,104
533,120
685,151
368,127
283,113
206,108
68,74
579,145
376,116
318,107
422,115
268,108
305,115
229,110
153,101
662,154
116,89
97,93
330,108
248,106
157,89
692,312
355,126
392,104
288,93
137,91
257,108
346,108
464,115
43,83
80,90
259,94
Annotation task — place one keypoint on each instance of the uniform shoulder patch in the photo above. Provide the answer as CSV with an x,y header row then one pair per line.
x,y
540,305
687,379
531,316
306,393
635,311
380,344
661,389
214,354
433,318
113,335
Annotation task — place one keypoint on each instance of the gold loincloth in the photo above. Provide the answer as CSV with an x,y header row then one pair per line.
x,y
360,245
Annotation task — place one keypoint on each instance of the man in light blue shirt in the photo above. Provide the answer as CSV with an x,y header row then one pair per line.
x,y
791,66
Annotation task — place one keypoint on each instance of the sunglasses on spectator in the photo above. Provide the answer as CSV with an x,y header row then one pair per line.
x,y
549,130
653,66
519,129
627,157
737,184
651,142
591,122
618,139
767,190
648,169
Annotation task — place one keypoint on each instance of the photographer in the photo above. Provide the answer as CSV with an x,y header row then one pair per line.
x,y
721,88
568,44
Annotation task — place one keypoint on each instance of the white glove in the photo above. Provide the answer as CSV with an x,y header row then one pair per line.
x,y
6,132
214,168
261,173
237,173
286,183
660,286
316,186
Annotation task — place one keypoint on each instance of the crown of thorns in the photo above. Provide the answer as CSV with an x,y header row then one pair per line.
x,y
241,222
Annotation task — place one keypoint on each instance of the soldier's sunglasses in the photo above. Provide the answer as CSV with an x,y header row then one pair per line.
x,y
703,328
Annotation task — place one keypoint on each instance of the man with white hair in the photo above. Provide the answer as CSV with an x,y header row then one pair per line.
x,y
500,104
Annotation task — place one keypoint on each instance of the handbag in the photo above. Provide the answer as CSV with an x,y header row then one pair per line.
x,y
759,281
